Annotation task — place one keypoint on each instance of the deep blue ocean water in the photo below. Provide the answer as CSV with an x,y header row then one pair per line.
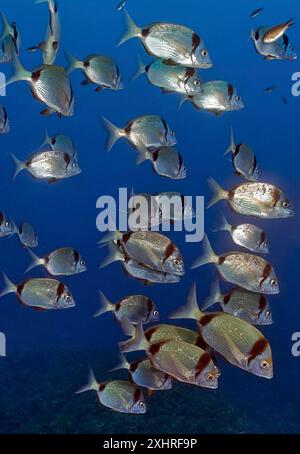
x,y
48,353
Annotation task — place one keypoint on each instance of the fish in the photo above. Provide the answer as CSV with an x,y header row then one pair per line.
x,y
121,5
268,90
184,362
49,84
137,270
239,342
176,43
146,212
4,123
248,271
143,374
174,206
276,32
252,307
248,236
166,162
118,395
151,131
243,160
10,38
60,142
256,12
7,226
27,235
40,293
61,262
262,200
171,78
217,97
152,249
50,46
98,69
48,165
282,49
134,308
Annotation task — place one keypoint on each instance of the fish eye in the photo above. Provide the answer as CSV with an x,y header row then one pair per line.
x,y
172,133
196,82
268,313
7,224
210,377
82,262
204,53
264,364
75,165
68,298
141,404
176,262
292,47
273,282
155,313
238,98
285,204
266,245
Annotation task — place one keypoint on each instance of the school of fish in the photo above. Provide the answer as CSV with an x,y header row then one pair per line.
x,y
180,57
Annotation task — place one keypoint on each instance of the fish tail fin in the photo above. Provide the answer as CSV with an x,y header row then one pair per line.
x,y
143,154
20,73
19,165
218,193
122,363
141,68
36,261
223,226
113,133
105,306
290,22
137,342
113,233
73,63
47,140
91,385
208,256
182,100
231,147
6,28
214,297
9,287
190,309
114,255
132,30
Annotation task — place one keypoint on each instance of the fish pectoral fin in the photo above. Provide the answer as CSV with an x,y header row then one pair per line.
x,y
47,111
98,89
269,58
53,180
165,91
150,392
236,352
39,309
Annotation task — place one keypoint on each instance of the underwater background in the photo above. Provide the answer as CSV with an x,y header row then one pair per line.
x,y
48,353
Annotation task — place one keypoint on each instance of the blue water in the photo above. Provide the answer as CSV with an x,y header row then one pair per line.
x,y
65,214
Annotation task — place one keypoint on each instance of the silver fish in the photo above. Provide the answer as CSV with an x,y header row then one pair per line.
x,y
118,395
50,46
134,308
152,249
262,200
217,97
98,69
252,307
27,235
151,131
275,32
173,42
142,373
60,142
235,339
185,362
10,39
248,236
40,293
166,161
256,12
136,269
157,333
248,271
7,226
180,208
243,160
49,165
282,49
4,123
171,78
146,212
49,84
61,262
